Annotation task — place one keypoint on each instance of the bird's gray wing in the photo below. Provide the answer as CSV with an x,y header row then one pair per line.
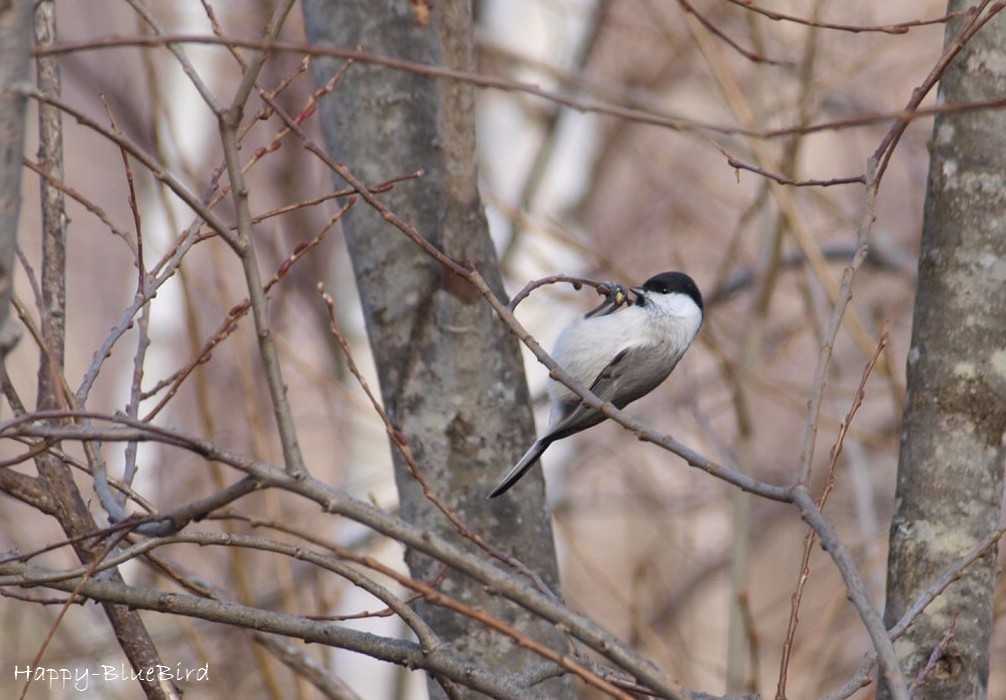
x,y
574,415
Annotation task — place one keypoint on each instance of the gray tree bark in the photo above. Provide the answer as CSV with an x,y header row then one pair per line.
x,y
70,508
15,50
451,375
950,474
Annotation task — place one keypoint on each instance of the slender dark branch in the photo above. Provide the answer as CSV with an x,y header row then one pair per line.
x,y
229,122
783,180
752,56
897,28
179,53
835,323
82,200
977,20
161,173
670,121
603,288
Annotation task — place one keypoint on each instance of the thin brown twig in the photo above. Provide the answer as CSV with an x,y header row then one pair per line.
x,y
82,200
236,313
159,172
229,122
603,288
835,324
754,644
380,188
897,28
810,538
783,180
309,109
385,612
752,56
653,118
977,20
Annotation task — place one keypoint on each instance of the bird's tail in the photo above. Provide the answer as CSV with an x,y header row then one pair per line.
x,y
518,470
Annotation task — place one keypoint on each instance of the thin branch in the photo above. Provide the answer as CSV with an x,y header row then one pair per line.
x,y
234,316
179,53
835,323
783,180
977,20
161,173
229,122
752,56
897,28
82,200
808,544
653,118
603,288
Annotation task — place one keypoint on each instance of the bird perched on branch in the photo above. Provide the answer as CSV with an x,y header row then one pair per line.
x,y
621,351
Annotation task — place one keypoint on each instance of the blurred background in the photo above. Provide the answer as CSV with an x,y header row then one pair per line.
x,y
695,576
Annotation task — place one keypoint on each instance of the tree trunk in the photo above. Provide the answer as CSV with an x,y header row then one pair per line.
x,y
451,374
15,49
950,475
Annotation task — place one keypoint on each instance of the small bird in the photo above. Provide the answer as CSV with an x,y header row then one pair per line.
x,y
621,352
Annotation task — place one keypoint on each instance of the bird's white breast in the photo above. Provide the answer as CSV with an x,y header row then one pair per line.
x,y
659,332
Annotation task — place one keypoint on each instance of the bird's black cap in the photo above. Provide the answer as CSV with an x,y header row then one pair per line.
x,y
674,283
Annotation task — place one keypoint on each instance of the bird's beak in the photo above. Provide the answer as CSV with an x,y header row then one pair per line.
x,y
638,290
640,295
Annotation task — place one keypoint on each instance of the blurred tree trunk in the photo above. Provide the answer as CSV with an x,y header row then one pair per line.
x,y
950,476
15,49
451,374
